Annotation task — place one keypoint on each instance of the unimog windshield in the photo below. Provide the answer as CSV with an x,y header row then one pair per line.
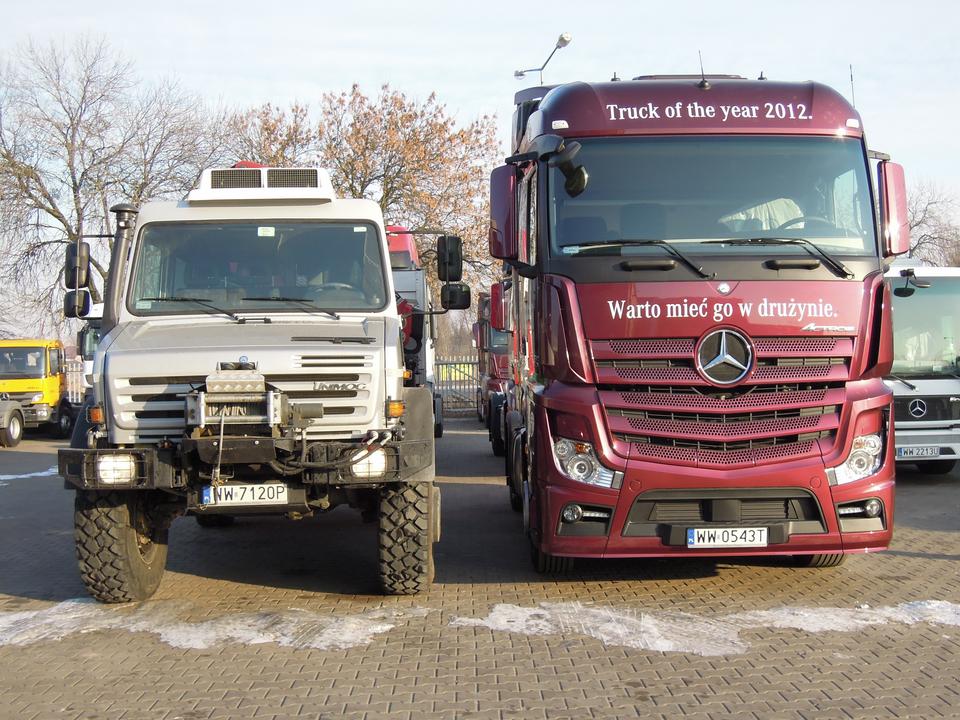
x,y
242,267
926,328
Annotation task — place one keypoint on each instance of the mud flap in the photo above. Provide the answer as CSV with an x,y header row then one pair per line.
x,y
418,427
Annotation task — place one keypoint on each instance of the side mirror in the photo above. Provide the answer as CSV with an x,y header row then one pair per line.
x,y
449,258
76,265
503,213
498,320
76,303
893,209
455,296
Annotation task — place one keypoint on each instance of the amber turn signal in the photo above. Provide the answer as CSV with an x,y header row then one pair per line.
x,y
395,408
407,374
95,415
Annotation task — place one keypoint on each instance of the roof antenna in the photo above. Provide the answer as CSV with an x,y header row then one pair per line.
x,y
703,84
762,76
614,78
853,96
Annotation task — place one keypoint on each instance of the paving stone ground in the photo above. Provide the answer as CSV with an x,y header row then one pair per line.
x,y
247,619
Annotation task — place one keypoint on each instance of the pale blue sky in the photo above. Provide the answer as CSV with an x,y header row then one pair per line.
x,y
905,55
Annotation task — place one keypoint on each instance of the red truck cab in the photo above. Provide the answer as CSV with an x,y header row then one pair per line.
x,y
493,371
699,320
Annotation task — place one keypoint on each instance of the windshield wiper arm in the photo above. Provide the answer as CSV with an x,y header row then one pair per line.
x,y
652,241
307,305
811,247
204,302
901,380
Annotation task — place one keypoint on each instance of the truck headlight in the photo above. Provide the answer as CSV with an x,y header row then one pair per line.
x,y
116,469
578,461
373,465
36,398
865,458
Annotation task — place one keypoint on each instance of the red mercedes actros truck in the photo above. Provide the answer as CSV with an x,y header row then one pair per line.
x,y
493,370
700,323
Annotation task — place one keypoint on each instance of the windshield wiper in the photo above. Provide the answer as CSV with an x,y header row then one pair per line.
x,y
204,302
811,247
901,380
308,305
651,241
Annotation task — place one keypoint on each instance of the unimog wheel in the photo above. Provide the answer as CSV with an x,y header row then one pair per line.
x,y
121,547
406,536
12,434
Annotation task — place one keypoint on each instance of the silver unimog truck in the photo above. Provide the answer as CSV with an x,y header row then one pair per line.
x,y
251,362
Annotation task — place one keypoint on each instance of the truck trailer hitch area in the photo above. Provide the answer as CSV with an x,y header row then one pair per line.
x,y
373,441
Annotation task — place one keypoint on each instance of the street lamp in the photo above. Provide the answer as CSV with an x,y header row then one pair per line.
x,y
562,42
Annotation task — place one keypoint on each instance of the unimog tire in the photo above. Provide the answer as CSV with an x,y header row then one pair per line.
x,y
121,549
12,434
406,534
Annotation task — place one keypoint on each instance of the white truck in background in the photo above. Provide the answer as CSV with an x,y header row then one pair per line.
x,y
925,377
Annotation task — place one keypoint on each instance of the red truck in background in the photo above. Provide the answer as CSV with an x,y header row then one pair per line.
x,y
416,315
494,372
700,326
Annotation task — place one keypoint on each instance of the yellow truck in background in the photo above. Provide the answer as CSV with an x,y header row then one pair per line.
x,y
33,390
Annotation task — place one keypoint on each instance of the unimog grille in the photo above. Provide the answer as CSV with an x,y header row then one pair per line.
x,y
659,407
153,408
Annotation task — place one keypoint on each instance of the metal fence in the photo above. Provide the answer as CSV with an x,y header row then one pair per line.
x,y
457,379
73,369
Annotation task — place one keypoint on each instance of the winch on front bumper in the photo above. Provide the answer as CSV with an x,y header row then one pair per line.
x,y
238,422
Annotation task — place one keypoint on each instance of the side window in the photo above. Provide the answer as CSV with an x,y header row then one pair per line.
x,y
54,361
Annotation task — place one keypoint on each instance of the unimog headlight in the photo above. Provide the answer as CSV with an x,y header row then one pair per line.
x,y
116,469
373,465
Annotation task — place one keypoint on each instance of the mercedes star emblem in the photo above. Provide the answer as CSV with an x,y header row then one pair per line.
x,y
917,408
724,357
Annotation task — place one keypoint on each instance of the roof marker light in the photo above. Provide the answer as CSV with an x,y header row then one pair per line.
x,y
560,125
853,123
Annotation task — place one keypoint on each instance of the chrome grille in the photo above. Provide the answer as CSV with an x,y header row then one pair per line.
x,y
659,407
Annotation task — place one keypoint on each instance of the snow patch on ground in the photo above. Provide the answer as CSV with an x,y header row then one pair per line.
x,y
688,633
42,473
288,628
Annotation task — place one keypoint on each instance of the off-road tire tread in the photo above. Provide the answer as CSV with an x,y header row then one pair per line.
x,y
405,539
516,502
100,523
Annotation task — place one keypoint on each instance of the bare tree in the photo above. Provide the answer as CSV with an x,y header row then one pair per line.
x,y
411,157
272,136
78,133
934,232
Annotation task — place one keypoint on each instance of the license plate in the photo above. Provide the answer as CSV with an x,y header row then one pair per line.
x,y
927,451
726,537
266,494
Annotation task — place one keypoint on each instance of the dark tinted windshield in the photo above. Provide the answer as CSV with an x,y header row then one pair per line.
x,y
690,189
926,328
22,362
335,266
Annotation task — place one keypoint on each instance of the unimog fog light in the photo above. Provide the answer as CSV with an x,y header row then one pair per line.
x,y
578,461
865,458
373,465
116,469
